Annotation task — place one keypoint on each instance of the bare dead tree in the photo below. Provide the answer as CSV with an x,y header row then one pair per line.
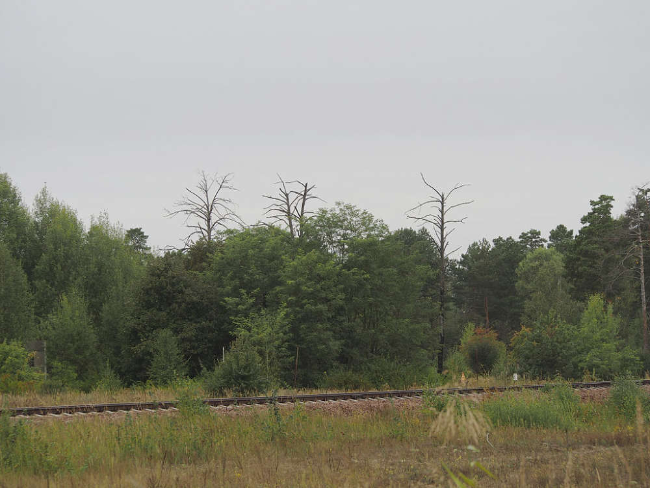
x,y
639,213
206,208
438,207
289,207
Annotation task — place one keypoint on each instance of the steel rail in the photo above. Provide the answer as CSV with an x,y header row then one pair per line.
x,y
302,398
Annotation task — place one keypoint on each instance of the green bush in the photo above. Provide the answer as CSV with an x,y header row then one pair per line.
x,y
167,364
61,377
240,372
436,401
554,410
108,380
16,376
344,379
482,351
624,396
386,373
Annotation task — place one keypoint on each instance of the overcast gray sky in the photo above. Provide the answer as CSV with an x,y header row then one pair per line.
x,y
540,106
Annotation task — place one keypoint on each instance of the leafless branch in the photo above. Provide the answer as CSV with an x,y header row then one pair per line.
x,y
206,209
289,207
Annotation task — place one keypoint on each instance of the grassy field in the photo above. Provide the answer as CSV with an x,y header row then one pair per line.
x,y
546,438
145,393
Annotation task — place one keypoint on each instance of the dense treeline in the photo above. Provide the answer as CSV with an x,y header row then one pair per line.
x,y
328,298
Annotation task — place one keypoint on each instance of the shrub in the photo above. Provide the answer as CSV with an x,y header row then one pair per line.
x,y
16,375
482,351
624,396
344,379
240,372
167,364
108,380
61,377
435,401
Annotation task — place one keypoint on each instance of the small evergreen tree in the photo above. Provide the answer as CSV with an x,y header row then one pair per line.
x,y
167,363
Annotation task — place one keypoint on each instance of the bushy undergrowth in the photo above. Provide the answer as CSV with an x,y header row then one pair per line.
x,y
555,408
240,372
624,396
382,373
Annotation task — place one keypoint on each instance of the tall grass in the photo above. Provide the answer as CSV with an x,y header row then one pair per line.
x,y
552,408
299,447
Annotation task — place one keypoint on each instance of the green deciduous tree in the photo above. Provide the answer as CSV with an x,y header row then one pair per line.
x,y
544,348
71,338
16,228
16,376
171,296
241,372
333,229
268,333
313,291
598,348
16,306
542,284
60,239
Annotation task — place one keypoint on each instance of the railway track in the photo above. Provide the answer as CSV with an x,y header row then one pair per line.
x,y
68,410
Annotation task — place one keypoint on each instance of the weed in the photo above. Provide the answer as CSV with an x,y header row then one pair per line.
x,y
435,401
458,422
624,396
554,410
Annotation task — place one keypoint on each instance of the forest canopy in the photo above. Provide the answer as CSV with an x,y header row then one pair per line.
x,y
325,296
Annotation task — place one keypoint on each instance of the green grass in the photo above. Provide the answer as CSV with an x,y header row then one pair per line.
x,y
298,447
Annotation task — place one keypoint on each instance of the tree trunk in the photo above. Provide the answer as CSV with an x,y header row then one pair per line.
x,y
443,288
644,309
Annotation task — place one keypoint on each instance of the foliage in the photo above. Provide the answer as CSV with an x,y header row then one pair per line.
x,y
532,240
241,372
60,243
598,348
136,239
556,409
108,381
560,239
268,333
333,229
167,364
544,349
542,284
16,309
624,396
61,377
485,279
16,375
590,258
345,303
16,229
482,351
71,339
